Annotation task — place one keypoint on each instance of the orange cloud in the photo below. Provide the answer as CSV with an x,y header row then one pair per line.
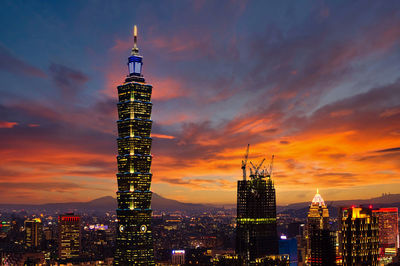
x,y
5,124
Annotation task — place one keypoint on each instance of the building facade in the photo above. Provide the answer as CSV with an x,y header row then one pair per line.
x,y
33,233
322,247
134,245
69,236
256,230
358,236
388,219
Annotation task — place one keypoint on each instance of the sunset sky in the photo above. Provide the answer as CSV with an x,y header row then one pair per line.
x,y
316,83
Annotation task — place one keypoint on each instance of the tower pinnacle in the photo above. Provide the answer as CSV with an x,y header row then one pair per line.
x,y
135,61
135,49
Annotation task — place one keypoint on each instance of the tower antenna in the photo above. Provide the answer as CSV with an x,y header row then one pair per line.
x,y
135,49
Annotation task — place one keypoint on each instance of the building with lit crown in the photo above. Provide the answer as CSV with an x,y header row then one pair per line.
x,y
33,233
69,236
134,243
320,240
388,219
358,236
318,214
256,229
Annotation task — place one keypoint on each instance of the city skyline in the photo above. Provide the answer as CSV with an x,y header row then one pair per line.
x,y
315,84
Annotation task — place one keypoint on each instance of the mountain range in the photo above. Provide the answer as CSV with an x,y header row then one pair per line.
x,y
109,204
159,203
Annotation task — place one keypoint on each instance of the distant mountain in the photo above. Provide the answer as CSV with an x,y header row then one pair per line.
x,y
109,204
159,203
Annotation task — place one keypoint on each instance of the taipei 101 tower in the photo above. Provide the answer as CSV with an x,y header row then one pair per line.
x,y
134,235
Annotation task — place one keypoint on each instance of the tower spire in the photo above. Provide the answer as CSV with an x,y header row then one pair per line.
x,y
135,49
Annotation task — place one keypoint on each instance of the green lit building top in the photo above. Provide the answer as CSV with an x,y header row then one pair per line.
x,y
134,237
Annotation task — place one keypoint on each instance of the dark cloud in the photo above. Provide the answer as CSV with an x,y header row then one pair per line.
x,y
396,149
12,64
69,80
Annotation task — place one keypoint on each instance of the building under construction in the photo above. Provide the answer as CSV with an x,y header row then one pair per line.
x,y
256,234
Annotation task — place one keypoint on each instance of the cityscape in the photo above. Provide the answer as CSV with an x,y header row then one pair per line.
x,y
162,133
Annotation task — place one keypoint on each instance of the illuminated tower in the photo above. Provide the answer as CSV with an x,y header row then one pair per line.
x,y
358,236
320,241
33,233
256,232
134,238
69,236
318,214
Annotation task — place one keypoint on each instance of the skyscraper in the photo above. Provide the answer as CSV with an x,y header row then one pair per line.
x,y
69,238
388,230
256,232
358,236
33,233
320,240
134,236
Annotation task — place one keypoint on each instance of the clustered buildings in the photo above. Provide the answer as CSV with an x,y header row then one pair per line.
x,y
360,235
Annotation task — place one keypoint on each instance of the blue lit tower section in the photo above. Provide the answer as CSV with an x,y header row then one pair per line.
x,y
134,236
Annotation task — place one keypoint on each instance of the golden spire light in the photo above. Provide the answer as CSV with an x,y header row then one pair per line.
x,y
135,49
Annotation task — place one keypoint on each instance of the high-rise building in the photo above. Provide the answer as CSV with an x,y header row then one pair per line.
x,y
33,233
69,238
318,214
134,236
388,219
358,236
319,240
256,230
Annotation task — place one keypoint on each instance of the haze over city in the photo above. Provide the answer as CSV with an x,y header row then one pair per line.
x,y
314,83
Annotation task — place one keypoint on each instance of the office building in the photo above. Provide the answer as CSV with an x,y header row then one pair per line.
x,y
69,238
134,244
358,236
388,219
33,233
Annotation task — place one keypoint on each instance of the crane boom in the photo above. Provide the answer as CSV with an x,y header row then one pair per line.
x,y
258,167
270,166
244,162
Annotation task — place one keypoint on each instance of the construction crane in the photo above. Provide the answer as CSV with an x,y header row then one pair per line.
x,y
270,166
257,168
244,162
